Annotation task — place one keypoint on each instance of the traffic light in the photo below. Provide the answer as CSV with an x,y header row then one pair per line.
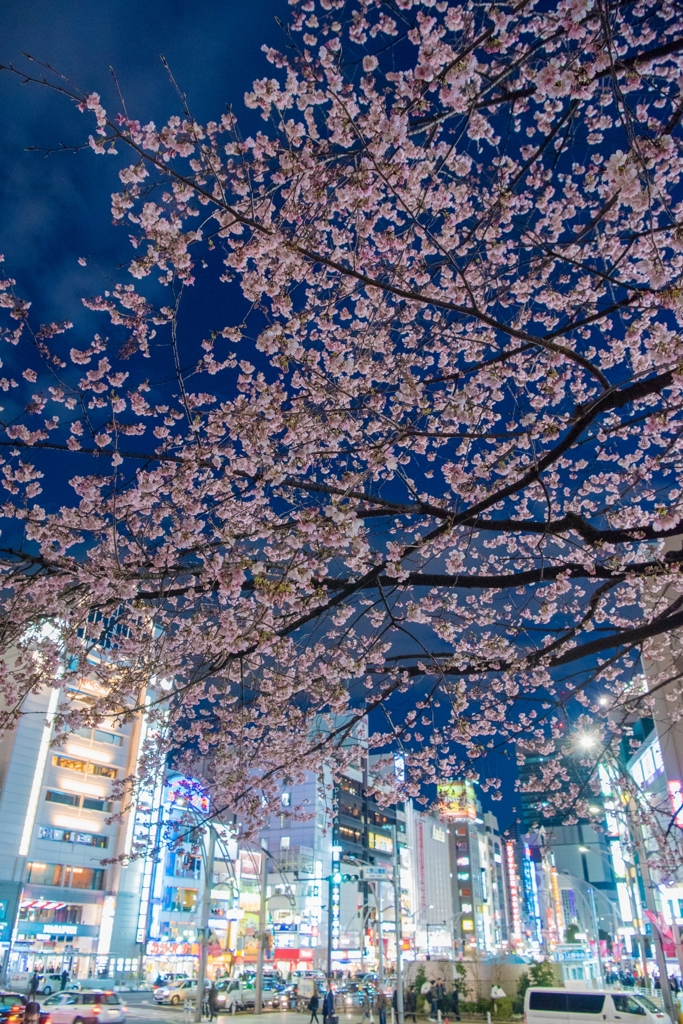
x,y
337,878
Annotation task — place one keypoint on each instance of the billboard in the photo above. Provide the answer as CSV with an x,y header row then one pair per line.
x,y
457,801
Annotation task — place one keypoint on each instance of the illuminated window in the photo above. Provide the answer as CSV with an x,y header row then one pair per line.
x,y
376,841
467,925
76,765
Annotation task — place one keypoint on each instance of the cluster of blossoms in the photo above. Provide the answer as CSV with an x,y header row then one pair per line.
x,y
428,467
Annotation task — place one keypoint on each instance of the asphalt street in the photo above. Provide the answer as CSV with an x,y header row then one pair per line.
x,y
141,1007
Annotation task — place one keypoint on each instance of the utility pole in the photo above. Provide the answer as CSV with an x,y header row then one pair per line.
x,y
204,931
397,927
258,994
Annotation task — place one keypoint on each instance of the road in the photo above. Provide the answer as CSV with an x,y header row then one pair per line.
x,y
142,1008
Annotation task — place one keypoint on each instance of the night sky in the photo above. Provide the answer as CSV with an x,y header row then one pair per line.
x,y
55,209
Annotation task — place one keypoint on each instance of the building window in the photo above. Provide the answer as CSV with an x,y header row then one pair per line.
x,y
91,803
84,878
350,786
57,797
377,841
181,901
348,807
108,737
62,835
44,874
286,799
284,842
64,875
351,835
74,764
187,866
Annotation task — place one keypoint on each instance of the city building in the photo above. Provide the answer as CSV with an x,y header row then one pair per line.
x,y
58,899
428,925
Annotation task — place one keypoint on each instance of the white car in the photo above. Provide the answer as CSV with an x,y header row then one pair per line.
x,y
562,1006
53,982
178,992
85,1008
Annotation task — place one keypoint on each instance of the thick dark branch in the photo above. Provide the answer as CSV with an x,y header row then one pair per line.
x,y
499,581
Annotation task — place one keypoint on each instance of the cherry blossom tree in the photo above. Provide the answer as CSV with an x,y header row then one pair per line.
x,y
421,470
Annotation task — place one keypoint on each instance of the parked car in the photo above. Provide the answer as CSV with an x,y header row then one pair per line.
x,y
50,983
169,979
234,992
546,1005
178,991
12,1009
85,1008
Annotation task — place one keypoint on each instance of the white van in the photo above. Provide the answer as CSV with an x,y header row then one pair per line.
x,y
549,1005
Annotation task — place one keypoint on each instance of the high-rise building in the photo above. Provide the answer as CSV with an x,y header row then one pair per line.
x,y
428,925
58,899
483,890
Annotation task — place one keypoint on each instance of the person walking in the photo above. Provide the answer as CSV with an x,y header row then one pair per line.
x,y
433,1003
411,1004
367,1007
63,978
213,1001
456,1003
313,1004
328,1005
33,985
381,1004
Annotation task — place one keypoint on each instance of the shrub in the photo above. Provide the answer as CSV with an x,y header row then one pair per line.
x,y
542,974
523,983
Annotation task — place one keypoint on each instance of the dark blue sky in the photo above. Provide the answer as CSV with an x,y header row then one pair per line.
x,y
54,210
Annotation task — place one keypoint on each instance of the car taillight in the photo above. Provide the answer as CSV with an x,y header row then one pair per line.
x,y
96,1009
48,1019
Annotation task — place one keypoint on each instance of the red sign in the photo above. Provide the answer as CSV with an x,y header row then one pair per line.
x,y
293,954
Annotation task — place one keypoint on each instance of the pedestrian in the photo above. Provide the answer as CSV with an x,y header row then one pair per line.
x,y
394,1003
32,1013
33,985
328,1005
213,1001
63,978
456,1003
313,1004
411,1004
367,1007
381,1004
434,1000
